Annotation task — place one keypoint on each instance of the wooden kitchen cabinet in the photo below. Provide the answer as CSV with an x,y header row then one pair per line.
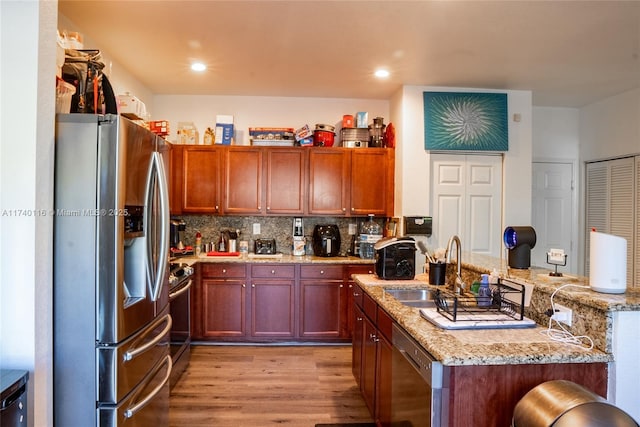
x,y
222,309
285,181
264,181
352,291
243,181
322,302
371,356
329,171
196,173
371,183
351,182
273,295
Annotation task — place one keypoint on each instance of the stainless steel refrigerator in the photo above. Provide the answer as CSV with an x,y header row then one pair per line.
x,y
111,243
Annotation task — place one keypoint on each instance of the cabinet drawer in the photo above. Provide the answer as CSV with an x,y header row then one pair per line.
x,y
327,272
214,270
360,269
273,270
370,308
384,323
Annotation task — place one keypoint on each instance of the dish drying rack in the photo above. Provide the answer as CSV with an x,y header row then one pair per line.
x,y
506,303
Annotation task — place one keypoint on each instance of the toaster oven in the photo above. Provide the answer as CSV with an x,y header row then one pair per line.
x,y
265,246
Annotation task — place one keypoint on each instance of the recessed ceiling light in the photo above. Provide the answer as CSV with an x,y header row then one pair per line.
x,y
198,66
381,73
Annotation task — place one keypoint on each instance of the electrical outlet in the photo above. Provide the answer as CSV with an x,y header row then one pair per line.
x,y
256,228
352,229
562,314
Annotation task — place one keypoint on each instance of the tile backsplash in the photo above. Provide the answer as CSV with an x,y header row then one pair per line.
x,y
278,228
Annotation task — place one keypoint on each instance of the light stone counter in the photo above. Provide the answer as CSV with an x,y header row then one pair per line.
x,y
284,259
475,346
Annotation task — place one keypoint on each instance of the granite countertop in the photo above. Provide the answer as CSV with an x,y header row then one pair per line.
x,y
475,346
279,258
628,301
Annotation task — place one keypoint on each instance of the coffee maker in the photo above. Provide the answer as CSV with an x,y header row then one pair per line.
x,y
326,240
177,229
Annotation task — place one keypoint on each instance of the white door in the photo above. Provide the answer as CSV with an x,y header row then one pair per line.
x,y
552,215
467,200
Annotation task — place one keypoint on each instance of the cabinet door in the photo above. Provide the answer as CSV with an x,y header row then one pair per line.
x,y
223,308
272,308
353,291
176,157
285,174
369,367
201,171
320,309
328,181
243,181
383,389
273,288
369,182
357,344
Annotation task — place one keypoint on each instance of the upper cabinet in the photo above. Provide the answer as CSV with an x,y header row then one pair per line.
x,y
313,181
351,182
196,173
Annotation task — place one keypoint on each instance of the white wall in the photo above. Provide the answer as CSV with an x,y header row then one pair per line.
x,y
555,133
415,184
260,111
27,110
611,127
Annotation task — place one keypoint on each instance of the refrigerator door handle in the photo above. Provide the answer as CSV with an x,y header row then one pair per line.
x,y
163,250
132,410
129,355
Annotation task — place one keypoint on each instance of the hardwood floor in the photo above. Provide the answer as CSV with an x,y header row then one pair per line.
x,y
257,386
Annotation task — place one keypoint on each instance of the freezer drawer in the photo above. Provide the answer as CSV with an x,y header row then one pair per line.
x,y
123,366
145,406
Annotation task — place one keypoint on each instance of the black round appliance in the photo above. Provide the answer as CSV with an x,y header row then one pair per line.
x,y
326,240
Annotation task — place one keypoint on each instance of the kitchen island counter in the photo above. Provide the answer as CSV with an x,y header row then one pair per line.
x,y
475,346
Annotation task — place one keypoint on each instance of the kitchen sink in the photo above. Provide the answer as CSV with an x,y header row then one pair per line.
x,y
421,298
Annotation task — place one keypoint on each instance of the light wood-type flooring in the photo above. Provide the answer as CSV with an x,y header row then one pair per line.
x,y
258,386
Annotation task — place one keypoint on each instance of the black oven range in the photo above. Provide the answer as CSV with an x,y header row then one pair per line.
x,y
180,283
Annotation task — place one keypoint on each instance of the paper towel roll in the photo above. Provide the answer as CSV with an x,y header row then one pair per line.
x,y
608,263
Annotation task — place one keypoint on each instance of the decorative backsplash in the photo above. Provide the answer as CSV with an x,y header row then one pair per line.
x,y
278,228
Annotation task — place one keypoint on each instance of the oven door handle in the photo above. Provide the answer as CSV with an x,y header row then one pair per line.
x,y
132,410
181,290
135,352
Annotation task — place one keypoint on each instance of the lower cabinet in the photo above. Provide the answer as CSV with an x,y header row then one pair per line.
x,y
265,302
272,301
372,355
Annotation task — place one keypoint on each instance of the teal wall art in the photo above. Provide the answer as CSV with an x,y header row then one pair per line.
x,y
465,121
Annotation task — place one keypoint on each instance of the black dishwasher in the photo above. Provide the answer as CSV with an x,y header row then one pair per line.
x,y
13,397
418,398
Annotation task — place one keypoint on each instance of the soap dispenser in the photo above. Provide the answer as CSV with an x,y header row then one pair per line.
x,y
484,292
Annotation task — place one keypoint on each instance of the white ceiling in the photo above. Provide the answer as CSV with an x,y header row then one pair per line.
x,y
568,53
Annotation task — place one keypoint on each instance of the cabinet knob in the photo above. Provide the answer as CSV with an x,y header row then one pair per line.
x,y
273,272
217,208
244,285
342,286
355,294
353,209
259,208
321,271
268,208
253,285
359,319
224,271
344,209
350,286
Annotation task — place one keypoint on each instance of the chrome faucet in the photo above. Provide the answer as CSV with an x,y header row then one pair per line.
x,y
458,286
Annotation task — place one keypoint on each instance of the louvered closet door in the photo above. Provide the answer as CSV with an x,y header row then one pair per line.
x,y
611,205
636,264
